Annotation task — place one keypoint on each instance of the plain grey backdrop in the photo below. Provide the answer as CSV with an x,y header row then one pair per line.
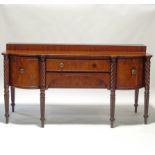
x,y
83,24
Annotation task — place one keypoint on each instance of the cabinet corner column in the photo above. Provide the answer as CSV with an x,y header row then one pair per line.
x,y
112,90
42,90
6,86
147,88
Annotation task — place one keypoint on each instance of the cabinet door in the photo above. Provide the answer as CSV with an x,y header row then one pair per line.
x,y
24,72
130,73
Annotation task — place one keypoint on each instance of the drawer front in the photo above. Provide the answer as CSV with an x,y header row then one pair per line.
x,y
130,73
24,72
77,80
77,65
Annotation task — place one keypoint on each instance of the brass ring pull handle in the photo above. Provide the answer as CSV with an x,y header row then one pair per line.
x,y
61,65
133,71
21,70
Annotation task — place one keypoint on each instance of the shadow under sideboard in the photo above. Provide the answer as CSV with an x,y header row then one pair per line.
x,y
77,114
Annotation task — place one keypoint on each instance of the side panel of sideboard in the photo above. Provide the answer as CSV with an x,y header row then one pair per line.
x,y
130,73
24,72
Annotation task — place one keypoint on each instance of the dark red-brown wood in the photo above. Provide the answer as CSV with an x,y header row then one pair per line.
x,y
43,66
75,47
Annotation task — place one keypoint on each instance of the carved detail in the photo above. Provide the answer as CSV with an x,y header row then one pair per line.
x,y
147,87
112,95
6,86
42,90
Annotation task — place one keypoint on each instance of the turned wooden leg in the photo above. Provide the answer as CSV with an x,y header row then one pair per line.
x,y
6,87
6,98
42,106
147,88
112,94
112,108
13,98
42,90
146,106
136,99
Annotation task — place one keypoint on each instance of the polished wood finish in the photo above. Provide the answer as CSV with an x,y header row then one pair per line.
x,y
125,78
75,47
77,80
43,66
24,72
77,65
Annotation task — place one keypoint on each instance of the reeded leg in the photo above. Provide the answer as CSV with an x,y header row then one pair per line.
x,y
112,108
147,88
136,99
146,106
42,90
6,87
13,98
42,106
6,98
112,94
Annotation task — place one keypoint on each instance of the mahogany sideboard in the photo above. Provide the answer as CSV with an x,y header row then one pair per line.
x,y
43,66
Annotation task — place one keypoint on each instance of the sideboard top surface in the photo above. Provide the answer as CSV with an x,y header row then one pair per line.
x,y
74,50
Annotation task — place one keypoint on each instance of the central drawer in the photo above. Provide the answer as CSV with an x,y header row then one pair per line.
x,y
77,65
77,80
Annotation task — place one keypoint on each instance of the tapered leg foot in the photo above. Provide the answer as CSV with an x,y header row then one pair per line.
x,y
136,109
112,123
136,99
13,98
7,118
42,106
13,107
112,108
42,122
145,119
